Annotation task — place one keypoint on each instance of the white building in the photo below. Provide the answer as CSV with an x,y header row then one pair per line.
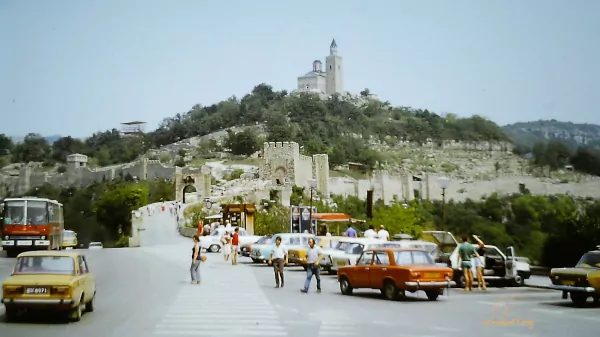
x,y
330,81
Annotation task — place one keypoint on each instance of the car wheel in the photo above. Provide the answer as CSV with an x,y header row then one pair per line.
x,y
345,286
432,295
518,281
578,299
213,248
89,306
390,291
11,315
459,278
76,313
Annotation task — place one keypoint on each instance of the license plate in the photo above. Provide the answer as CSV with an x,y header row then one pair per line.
x,y
37,291
24,243
431,275
569,283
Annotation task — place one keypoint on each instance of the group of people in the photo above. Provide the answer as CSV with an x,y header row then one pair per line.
x,y
230,242
279,259
371,233
470,257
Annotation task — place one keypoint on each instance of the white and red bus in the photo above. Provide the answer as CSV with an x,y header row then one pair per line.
x,y
31,223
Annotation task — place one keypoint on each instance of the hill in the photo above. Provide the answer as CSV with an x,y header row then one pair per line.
x,y
528,133
342,126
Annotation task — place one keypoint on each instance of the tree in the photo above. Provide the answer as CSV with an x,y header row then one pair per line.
x,y
242,143
34,148
6,144
275,220
399,218
65,146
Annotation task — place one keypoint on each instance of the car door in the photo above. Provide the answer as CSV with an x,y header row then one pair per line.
x,y
84,278
495,264
91,280
379,269
362,270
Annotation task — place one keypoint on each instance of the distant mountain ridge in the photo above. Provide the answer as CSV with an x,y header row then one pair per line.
x,y
528,133
49,139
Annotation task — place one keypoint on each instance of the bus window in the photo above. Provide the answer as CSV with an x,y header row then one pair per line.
x,y
37,212
14,211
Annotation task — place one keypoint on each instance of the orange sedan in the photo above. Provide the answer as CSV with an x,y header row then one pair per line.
x,y
395,271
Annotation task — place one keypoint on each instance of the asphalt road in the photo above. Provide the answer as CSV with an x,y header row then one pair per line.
x,y
146,292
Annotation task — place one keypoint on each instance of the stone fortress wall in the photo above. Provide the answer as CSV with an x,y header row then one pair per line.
x,y
283,161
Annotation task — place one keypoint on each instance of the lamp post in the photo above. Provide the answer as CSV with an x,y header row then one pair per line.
x,y
312,184
444,182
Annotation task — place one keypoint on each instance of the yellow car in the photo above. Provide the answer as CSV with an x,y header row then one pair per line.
x,y
298,256
69,239
49,280
581,281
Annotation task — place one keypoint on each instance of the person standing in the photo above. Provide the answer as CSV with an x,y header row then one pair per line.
x,y
314,255
196,259
465,253
278,258
383,234
226,243
235,245
350,232
370,233
479,263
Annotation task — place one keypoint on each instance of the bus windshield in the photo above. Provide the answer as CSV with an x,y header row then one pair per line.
x,y
37,212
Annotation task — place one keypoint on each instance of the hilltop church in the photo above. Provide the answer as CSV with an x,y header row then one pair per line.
x,y
330,81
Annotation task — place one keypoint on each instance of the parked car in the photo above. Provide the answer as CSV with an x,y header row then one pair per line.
x,y
212,243
290,240
348,257
343,244
50,280
297,256
499,268
246,249
580,282
395,271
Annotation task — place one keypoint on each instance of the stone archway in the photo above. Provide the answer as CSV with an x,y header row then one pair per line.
x,y
198,179
189,189
279,175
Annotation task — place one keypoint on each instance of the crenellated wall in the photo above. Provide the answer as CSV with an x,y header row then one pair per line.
x,y
80,175
283,162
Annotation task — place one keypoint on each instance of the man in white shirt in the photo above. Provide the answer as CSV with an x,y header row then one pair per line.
x,y
314,255
383,234
278,258
370,233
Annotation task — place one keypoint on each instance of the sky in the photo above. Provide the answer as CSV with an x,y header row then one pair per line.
x,y
72,67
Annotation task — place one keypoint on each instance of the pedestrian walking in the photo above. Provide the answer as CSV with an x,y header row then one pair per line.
x,y
382,234
314,255
196,259
465,253
278,258
235,245
370,233
226,243
350,232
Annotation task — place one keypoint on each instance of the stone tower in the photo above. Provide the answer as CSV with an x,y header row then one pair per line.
x,y
334,71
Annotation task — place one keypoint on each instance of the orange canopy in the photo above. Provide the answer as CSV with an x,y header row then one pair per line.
x,y
330,217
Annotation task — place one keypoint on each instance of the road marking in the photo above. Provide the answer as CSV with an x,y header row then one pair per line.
x,y
199,331
437,328
548,311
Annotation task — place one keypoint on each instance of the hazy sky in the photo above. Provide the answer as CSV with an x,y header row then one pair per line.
x,y
76,67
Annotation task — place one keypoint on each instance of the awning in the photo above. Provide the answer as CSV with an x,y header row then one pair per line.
x,y
216,216
331,217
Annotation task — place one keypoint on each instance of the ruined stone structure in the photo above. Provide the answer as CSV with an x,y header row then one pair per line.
x,y
78,174
283,164
330,81
201,181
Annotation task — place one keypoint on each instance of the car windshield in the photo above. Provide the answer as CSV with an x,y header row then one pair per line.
x,y
63,265
405,258
354,248
263,241
589,260
69,235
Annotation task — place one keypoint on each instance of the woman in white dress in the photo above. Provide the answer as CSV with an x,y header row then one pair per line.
x,y
226,242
